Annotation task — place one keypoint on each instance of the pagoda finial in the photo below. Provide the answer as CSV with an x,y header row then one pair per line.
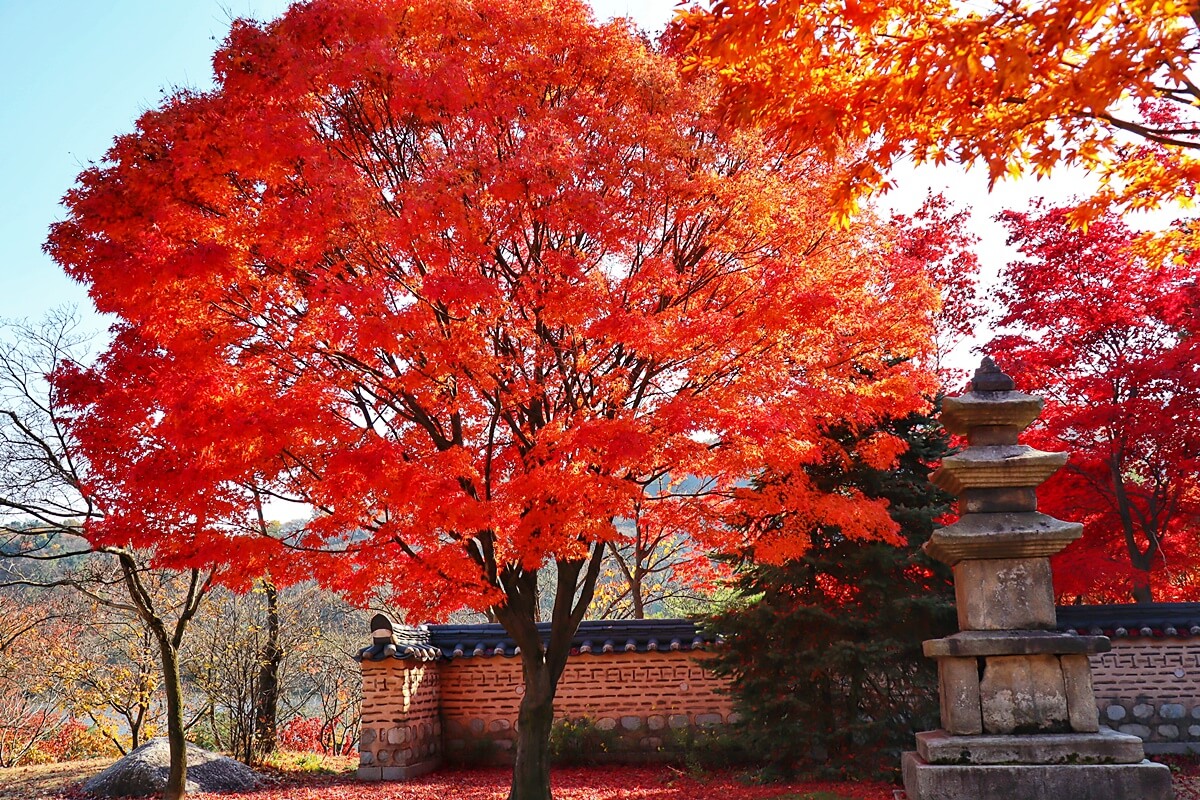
x,y
989,378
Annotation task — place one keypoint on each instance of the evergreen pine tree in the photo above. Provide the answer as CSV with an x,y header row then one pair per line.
x,y
824,652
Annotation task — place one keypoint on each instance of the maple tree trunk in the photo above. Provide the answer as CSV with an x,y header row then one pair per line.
x,y
531,771
1142,591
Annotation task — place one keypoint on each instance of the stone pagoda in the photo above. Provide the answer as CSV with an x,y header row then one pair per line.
x,y
1019,717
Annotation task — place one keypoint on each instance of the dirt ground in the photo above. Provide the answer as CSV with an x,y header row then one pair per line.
x,y
47,780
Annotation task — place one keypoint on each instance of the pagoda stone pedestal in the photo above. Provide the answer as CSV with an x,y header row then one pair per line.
x,y
1019,717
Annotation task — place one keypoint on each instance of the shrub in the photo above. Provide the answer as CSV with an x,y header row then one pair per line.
x,y
73,741
579,741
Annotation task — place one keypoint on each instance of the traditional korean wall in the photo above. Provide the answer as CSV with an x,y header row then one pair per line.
x,y
643,701
1150,687
401,734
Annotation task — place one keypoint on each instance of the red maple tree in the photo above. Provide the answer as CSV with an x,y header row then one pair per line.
x,y
466,278
1104,335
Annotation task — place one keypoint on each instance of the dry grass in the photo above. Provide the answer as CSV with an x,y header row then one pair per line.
x,y
47,780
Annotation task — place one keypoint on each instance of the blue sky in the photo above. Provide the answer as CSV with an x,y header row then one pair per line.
x,y
76,73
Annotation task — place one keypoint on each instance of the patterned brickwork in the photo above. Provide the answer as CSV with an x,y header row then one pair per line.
x,y
1163,668
401,727
643,699
1150,687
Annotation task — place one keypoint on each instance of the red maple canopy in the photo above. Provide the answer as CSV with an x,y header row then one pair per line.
x,y
1107,334
467,277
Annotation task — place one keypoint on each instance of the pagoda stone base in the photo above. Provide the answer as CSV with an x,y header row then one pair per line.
x,y
1142,781
1105,747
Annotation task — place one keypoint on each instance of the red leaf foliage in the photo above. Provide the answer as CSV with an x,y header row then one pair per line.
x,y
1107,336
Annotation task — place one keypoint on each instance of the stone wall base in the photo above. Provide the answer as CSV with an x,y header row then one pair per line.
x,y
398,773
1143,781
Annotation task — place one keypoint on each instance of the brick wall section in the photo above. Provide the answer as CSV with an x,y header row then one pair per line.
x,y
401,735
644,700
1150,687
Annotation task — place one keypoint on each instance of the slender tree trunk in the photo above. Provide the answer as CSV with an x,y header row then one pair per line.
x,y
168,647
1141,560
266,699
177,777
531,772
635,594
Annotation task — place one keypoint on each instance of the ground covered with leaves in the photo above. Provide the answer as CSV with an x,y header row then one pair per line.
x,y
582,783
316,781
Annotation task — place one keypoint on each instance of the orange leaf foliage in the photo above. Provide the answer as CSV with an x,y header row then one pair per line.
x,y
1018,86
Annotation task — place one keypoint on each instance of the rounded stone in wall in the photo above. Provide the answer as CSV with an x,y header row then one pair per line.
x,y
1143,711
734,718
1194,731
367,737
1115,712
504,744
708,719
395,735
383,756
1168,731
1171,711
606,724
499,725
406,756
656,722
631,723
678,721
365,758
477,726
1196,711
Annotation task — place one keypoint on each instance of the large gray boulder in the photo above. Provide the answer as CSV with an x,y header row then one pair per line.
x,y
144,772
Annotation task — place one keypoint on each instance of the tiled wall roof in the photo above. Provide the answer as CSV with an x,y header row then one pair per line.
x,y
1133,619
594,636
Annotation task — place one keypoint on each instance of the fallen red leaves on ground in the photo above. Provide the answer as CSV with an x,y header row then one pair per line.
x,y
607,783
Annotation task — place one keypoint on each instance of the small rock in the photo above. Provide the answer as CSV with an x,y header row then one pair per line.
x,y
1143,711
144,772
1115,713
1168,731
